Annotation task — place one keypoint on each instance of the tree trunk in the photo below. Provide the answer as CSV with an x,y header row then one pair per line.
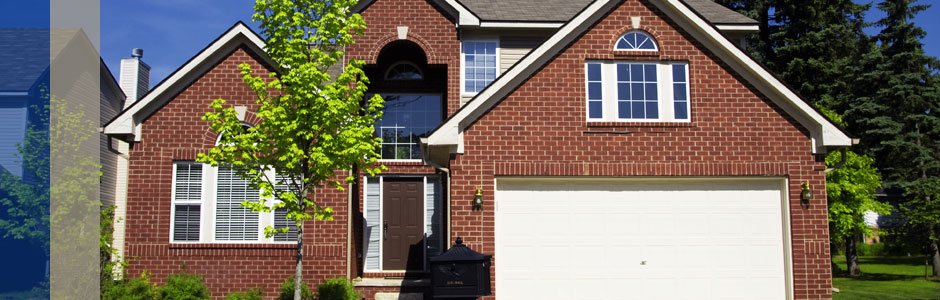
x,y
851,256
934,251
298,281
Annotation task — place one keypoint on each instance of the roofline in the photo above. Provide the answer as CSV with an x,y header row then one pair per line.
x,y
747,28
520,24
127,123
823,133
115,84
463,16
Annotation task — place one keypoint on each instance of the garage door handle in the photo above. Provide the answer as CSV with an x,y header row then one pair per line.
x,y
385,231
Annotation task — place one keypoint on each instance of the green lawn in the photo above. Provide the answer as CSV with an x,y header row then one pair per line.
x,y
886,278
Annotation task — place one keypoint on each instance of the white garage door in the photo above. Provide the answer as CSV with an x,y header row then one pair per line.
x,y
640,239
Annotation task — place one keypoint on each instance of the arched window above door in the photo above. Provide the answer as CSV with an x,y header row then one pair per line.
x,y
404,70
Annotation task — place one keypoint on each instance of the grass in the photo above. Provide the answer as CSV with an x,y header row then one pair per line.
x,y
885,278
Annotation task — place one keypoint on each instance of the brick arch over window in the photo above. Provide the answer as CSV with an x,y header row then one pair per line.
x,y
384,42
652,32
210,136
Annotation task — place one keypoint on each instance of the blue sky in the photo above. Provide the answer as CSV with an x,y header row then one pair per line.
x,y
172,31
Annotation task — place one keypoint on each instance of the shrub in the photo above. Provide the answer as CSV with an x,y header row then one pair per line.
x,y
183,286
287,290
138,288
876,249
337,289
250,294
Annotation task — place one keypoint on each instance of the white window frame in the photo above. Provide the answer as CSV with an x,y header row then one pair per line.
x,y
203,217
207,202
664,85
463,63
647,34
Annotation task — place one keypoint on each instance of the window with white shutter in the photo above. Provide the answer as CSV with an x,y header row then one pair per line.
x,y
232,221
187,201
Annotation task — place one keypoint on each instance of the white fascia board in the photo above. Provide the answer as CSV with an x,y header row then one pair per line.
x,y
451,132
823,133
465,18
129,121
738,28
488,24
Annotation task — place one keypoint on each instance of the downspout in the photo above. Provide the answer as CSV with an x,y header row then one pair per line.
x,y
425,148
844,157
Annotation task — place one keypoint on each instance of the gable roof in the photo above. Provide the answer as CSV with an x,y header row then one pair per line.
x,y
449,135
24,56
127,124
473,12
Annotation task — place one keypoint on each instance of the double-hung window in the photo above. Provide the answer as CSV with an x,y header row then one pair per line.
x,y
480,63
636,91
206,207
187,201
232,221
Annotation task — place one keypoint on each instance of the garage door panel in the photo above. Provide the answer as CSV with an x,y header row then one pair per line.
x,y
639,239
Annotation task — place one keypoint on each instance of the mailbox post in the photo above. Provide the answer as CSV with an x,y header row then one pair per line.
x,y
460,272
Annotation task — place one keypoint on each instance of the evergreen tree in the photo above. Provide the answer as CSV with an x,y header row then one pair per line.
x,y
898,119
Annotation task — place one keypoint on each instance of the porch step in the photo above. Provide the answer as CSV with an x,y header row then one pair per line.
x,y
365,282
399,296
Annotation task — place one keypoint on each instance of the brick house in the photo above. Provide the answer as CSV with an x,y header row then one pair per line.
x,y
622,148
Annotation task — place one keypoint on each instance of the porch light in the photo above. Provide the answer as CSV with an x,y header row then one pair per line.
x,y
806,193
478,200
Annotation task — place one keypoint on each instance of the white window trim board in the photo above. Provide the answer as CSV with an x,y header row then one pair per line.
x,y
463,63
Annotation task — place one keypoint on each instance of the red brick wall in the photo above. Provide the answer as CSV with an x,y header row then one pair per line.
x,y
175,132
540,129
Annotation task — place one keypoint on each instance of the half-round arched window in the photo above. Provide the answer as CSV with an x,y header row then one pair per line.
x,y
636,41
404,71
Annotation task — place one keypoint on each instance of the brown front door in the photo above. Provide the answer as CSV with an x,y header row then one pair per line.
x,y
403,239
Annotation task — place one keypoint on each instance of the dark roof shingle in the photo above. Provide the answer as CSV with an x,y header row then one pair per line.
x,y
564,10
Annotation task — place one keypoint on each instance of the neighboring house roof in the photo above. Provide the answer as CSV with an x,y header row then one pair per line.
x,y
448,137
126,125
24,56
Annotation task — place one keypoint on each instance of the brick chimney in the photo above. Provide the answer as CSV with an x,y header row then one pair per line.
x,y
135,77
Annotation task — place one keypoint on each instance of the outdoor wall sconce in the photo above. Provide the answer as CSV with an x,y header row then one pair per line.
x,y
478,200
806,193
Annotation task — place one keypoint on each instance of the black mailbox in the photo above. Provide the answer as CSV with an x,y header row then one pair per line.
x,y
460,273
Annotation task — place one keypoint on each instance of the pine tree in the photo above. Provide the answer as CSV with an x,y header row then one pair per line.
x,y
898,119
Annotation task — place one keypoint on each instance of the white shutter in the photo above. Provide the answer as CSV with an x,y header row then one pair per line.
x,y
232,221
372,227
432,212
